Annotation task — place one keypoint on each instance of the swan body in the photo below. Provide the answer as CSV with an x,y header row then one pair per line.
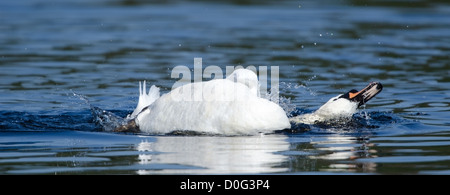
x,y
221,106
230,106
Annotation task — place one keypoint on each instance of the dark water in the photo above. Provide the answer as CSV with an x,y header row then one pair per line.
x,y
52,50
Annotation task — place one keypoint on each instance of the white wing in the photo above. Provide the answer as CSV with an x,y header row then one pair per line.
x,y
145,99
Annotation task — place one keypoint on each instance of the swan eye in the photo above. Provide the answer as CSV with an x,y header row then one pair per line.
x,y
335,99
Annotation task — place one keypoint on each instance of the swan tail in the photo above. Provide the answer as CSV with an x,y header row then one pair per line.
x,y
145,99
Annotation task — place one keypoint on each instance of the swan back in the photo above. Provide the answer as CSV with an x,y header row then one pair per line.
x,y
247,78
227,108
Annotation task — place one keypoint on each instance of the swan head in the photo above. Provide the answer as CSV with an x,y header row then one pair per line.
x,y
345,105
363,96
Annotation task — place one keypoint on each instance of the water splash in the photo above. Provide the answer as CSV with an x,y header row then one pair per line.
x,y
108,121
291,90
363,122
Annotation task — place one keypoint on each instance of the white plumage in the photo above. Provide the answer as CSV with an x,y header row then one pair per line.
x,y
335,108
231,106
221,106
341,107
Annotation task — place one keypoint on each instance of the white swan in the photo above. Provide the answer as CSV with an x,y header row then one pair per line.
x,y
230,106
221,106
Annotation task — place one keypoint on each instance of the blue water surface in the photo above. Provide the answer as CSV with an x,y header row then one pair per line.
x,y
53,53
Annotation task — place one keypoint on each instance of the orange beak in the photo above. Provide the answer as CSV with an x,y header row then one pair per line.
x,y
365,94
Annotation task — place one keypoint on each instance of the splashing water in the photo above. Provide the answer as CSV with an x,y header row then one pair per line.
x,y
107,120
284,102
289,89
